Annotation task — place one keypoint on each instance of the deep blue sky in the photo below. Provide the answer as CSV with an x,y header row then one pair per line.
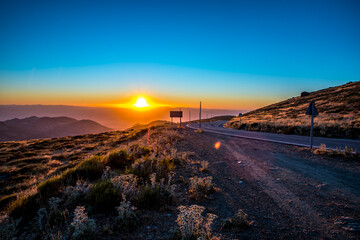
x,y
263,49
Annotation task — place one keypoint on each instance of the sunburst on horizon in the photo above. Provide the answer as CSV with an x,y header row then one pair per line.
x,y
141,103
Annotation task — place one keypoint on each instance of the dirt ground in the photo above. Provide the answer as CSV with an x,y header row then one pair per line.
x,y
288,192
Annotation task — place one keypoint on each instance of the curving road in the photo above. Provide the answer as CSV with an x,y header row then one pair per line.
x,y
303,141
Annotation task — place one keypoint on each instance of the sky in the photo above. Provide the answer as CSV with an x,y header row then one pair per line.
x,y
227,54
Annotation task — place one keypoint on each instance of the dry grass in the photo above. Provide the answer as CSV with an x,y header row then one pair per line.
x,y
338,110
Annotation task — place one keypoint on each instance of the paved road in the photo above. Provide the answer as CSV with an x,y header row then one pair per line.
x,y
333,143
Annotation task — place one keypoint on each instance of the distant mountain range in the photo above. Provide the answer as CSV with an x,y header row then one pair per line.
x,y
113,117
47,127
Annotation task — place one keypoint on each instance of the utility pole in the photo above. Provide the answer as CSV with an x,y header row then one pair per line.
x,y
189,116
200,117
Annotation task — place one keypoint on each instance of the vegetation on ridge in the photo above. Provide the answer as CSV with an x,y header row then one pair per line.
x,y
338,109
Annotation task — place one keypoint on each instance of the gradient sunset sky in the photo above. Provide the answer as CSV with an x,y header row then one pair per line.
x,y
229,54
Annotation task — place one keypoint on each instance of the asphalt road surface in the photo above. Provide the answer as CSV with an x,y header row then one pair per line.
x,y
332,143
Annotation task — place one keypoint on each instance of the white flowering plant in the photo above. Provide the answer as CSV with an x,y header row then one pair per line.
x,y
192,224
83,226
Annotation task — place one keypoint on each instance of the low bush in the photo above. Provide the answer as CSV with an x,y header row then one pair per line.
x,y
126,218
8,227
103,196
144,167
83,226
347,153
119,159
237,222
136,134
4,201
24,207
201,187
138,151
74,194
204,166
49,187
126,184
90,169
156,194
192,224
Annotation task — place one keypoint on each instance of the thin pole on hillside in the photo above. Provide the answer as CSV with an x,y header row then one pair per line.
x,y
311,130
200,117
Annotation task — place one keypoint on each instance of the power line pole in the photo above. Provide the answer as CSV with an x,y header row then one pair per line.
x,y
200,116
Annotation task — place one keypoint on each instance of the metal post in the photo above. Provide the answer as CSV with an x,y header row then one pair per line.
x,y
189,116
311,130
200,116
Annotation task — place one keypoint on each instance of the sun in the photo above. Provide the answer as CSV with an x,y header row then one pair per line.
x,y
141,103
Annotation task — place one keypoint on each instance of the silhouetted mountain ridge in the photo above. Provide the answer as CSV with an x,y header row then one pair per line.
x,y
47,127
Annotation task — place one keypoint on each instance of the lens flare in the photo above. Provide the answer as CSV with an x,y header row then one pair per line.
x,y
217,145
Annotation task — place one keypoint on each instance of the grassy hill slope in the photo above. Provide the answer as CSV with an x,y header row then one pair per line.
x,y
338,108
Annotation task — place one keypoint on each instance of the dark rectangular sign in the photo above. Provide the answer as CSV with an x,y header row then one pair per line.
x,y
178,114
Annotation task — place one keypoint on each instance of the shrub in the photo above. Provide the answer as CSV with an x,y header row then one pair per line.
x,y
24,206
192,224
138,151
83,226
237,222
304,94
4,201
126,214
8,227
144,167
204,166
119,159
126,185
74,193
49,216
103,196
156,194
107,173
49,187
347,152
90,169
136,134
201,187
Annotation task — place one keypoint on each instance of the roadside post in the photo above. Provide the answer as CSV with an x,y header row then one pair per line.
x,y
178,114
240,115
311,110
200,117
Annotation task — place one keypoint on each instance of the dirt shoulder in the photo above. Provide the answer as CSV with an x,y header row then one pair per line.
x,y
286,191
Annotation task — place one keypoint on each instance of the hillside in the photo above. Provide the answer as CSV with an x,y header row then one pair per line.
x,y
149,181
338,108
47,127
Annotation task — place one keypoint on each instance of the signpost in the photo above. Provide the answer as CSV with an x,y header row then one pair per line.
x,y
311,110
178,114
